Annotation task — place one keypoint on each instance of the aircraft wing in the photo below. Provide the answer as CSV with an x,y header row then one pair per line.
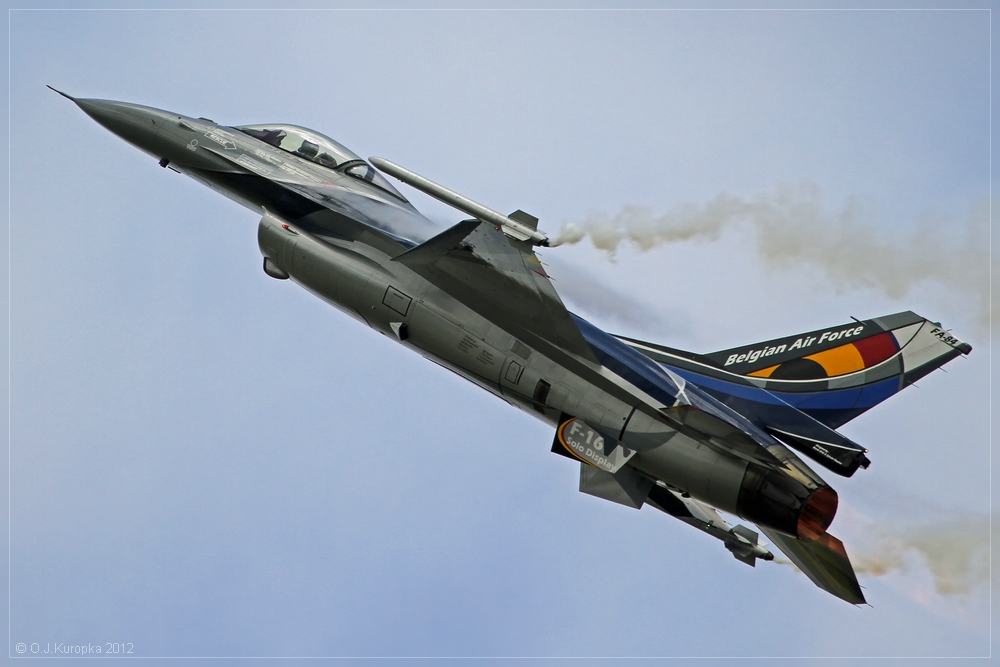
x,y
499,278
824,561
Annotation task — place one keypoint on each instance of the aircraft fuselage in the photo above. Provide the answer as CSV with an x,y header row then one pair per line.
x,y
643,433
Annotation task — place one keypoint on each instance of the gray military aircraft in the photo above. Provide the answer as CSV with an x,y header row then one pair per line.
x,y
688,434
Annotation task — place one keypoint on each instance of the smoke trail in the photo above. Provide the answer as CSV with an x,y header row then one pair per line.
x,y
955,551
792,228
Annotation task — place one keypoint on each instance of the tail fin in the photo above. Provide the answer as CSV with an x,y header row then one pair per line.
x,y
903,345
831,375
835,374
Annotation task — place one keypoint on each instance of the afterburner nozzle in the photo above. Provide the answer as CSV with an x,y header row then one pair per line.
x,y
817,514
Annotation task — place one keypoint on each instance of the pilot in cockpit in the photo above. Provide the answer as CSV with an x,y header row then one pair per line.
x,y
326,160
308,150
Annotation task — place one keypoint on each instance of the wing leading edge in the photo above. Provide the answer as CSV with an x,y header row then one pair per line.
x,y
501,279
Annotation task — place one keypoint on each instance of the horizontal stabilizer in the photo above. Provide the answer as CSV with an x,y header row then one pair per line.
x,y
824,561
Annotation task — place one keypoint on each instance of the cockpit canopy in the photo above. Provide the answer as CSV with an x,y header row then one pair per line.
x,y
300,141
320,149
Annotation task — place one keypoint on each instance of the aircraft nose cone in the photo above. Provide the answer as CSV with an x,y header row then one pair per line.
x,y
138,125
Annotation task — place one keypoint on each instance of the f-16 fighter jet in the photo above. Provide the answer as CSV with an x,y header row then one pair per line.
x,y
688,434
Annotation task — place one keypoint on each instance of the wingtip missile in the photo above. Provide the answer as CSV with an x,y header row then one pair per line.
x,y
514,228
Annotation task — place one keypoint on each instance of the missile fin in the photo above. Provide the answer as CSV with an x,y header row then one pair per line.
x,y
525,219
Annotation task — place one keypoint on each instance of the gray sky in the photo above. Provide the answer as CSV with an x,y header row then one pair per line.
x,y
205,461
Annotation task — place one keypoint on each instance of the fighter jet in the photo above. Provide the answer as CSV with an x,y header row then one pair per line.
x,y
685,433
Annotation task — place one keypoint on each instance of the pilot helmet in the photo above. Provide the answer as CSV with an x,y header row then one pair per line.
x,y
308,149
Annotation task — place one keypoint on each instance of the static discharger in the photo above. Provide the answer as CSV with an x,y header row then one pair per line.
x,y
513,228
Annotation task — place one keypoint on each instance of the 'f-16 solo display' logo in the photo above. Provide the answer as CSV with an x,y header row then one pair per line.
x,y
586,444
